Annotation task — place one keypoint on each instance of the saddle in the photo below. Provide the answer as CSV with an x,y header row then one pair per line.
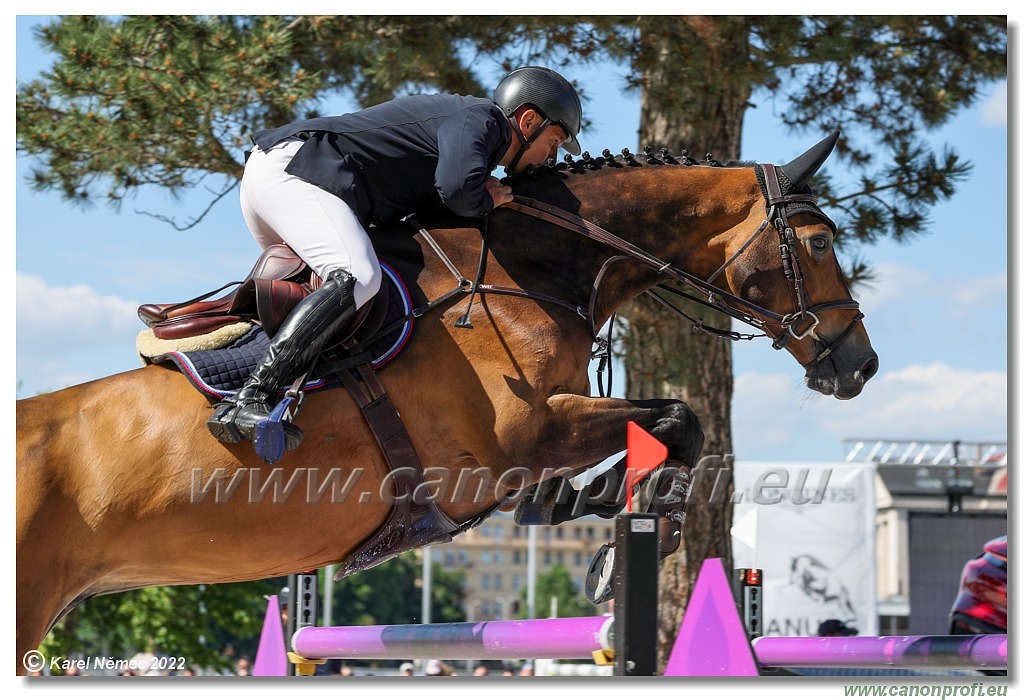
x,y
276,284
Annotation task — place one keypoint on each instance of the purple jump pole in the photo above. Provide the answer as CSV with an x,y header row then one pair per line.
x,y
559,638
986,652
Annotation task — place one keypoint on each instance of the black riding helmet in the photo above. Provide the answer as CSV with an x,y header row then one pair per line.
x,y
547,92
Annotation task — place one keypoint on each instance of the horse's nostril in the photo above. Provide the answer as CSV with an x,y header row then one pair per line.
x,y
870,368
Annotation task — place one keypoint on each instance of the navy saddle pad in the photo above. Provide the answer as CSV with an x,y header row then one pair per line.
x,y
218,373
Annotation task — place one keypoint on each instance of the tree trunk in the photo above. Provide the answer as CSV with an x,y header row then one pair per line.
x,y
664,357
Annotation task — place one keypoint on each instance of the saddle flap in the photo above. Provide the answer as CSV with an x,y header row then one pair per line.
x,y
269,300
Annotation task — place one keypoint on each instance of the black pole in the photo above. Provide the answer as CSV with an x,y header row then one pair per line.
x,y
636,595
302,605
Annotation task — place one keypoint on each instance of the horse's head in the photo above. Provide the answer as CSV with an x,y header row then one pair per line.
x,y
787,277
748,241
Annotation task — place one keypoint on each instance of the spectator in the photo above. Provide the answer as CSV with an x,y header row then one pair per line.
x,y
481,670
835,628
331,668
435,667
526,670
145,663
406,669
243,667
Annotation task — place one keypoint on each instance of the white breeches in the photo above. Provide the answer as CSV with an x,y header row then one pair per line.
x,y
321,228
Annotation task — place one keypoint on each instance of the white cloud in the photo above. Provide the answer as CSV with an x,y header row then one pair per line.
x,y
894,284
47,313
978,291
766,410
933,401
993,109
67,335
899,287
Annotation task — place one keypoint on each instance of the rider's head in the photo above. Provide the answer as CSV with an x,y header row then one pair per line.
x,y
542,92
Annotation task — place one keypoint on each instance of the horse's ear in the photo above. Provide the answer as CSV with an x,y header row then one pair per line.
x,y
803,167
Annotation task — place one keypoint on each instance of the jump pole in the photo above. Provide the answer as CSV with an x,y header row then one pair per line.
x,y
557,638
983,652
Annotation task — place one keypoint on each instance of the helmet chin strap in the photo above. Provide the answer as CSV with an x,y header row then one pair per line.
x,y
524,143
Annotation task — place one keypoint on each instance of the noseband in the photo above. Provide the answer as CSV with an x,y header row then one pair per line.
x,y
799,324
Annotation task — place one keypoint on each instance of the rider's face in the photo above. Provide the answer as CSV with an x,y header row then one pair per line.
x,y
545,146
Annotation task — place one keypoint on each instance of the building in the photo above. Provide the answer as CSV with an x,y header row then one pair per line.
x,y
493,557
938,503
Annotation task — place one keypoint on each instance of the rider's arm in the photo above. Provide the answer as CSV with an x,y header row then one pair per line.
x,y
470,143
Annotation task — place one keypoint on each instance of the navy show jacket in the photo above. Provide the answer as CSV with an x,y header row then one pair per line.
x,y
392,159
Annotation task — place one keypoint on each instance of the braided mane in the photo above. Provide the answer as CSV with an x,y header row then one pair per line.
x,y
623,159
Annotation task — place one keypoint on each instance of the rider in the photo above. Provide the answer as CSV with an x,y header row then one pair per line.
x,y
317,184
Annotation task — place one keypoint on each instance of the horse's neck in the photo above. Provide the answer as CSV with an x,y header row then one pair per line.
x,y
684,216
678,214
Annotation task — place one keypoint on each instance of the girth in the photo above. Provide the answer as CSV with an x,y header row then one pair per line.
x,y
415,518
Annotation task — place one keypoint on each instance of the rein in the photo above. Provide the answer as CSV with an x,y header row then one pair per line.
x,y
707,294
777,205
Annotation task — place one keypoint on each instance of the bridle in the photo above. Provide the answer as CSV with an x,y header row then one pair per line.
x,y
799,324
778,207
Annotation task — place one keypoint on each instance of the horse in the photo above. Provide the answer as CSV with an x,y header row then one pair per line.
x,y
820,584
107,471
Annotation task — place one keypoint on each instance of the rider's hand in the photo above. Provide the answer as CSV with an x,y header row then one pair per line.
x,y
500,194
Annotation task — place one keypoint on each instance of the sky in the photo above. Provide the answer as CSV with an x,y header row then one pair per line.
x,y
936,314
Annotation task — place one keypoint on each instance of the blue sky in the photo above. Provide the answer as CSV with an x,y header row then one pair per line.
x,y
937,314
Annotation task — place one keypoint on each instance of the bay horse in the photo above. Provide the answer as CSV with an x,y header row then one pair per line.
x,y
107,471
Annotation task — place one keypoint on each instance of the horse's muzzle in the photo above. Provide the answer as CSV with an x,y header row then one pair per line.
x,y
842,378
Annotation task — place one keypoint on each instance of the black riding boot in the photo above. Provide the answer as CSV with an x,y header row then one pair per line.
x,y
316,319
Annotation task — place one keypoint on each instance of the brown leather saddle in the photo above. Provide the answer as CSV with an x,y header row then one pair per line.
x,y
276,284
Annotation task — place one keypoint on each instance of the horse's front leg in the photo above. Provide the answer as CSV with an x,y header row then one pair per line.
x,y
579,432
582,431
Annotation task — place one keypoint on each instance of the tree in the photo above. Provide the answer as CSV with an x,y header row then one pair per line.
x,y
192,622
556,584
882,80
390,594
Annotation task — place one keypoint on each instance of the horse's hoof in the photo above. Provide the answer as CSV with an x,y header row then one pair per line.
x,y
599,586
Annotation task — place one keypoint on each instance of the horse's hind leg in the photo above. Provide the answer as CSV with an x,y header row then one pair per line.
x,y
37,603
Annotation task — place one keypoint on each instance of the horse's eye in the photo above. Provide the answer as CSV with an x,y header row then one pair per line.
x,y
820,243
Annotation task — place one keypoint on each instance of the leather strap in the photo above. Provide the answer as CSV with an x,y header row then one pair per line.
x,y
415,519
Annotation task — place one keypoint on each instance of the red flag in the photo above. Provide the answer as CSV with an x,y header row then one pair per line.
x,y
644,453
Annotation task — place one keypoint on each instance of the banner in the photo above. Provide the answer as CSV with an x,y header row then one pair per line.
x,y
811,528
